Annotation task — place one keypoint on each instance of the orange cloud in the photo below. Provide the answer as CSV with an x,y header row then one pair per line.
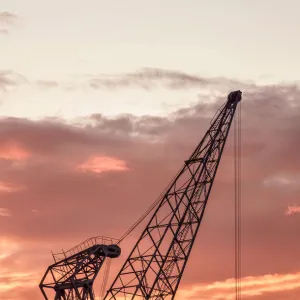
x,y
101,164
292,210
13,152
251,286
12,280
7,248
6,187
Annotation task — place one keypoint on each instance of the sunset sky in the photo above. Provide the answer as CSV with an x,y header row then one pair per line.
x,y
102,101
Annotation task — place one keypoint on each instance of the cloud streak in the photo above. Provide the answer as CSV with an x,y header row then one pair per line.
x,y
7,17
150,78
10,81
147,79
252,286
4,212
99,164
6,187
47,84
7,20
292,209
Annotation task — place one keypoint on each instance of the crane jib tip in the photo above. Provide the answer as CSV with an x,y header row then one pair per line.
x,y
234,97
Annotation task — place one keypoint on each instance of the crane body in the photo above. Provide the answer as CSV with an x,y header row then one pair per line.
x,y
155,265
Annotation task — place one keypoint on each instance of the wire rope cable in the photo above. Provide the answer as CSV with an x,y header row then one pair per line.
x,y
238,202
105,278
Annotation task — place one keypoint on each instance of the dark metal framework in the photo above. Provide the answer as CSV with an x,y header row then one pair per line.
x,y
155,266
73,277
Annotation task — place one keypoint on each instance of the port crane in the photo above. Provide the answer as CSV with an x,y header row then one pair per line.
x,y
155,265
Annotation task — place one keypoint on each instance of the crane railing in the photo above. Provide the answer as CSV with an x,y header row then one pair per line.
x,y
97,240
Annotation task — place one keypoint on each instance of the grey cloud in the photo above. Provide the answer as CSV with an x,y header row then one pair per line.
x,y
7,20
3,31
7,17
149,78
10,79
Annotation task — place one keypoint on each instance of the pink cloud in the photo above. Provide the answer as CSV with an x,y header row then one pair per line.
x,y
7,17
252,286
7,20
294,209
4,212
7,247
99,164
11,283
13,152
6,187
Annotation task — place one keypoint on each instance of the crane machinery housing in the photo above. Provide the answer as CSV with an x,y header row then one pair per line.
x,y
154,267
74,271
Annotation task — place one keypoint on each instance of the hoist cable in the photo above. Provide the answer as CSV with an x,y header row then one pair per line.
x,y
147,212
105,278
238,197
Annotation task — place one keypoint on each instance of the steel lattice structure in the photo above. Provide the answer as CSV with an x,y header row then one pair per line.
x,y
72,278
155,266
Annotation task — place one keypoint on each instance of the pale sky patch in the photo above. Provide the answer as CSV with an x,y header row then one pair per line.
x,y
79,102
64,41
141,92
7,20
114,36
